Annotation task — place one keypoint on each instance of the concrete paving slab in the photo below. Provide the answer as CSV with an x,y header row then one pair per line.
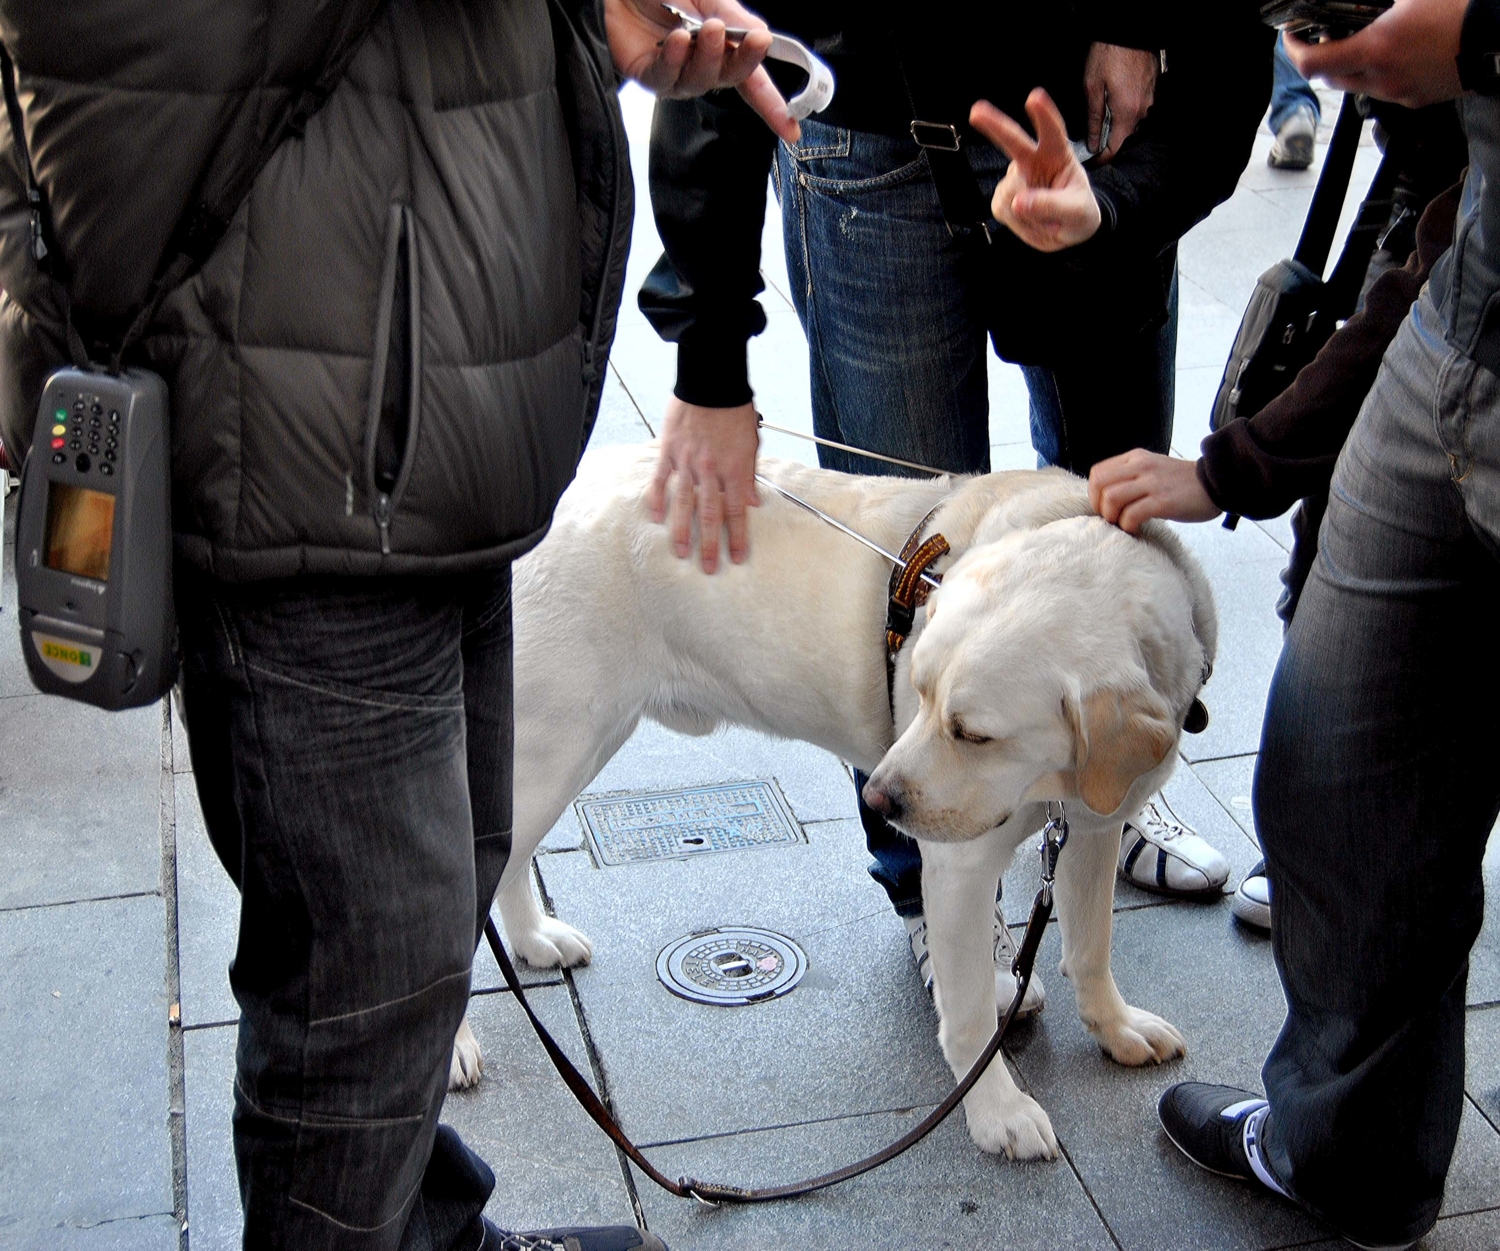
x,y
814,782
79,799
213,1190
1484,960
1483,1058
788,1059
1230,781
1175,961
83,1091
208,917
13,676
942,1193
157,1232
1475,1231
618,421
554,1166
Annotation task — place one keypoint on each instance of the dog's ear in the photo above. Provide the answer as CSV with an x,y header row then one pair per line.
x,y
1118,735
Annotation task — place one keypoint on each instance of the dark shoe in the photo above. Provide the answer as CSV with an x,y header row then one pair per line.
x,y
1218,1129
578,1238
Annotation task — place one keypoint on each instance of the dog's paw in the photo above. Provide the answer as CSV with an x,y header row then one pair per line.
x,y
1138,1037
552,944
467,1065
1014,1125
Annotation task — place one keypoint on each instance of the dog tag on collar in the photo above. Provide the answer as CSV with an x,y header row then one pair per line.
x,y
1196,720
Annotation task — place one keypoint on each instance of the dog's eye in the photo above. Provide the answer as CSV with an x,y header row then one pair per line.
x,y
960,732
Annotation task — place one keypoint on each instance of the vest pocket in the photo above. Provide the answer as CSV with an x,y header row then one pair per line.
x,y
395,374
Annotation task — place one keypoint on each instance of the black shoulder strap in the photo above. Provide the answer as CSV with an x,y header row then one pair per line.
x,y
200,229
1333,184
43,245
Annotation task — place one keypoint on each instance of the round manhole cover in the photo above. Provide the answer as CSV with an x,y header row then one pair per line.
x,y
731,966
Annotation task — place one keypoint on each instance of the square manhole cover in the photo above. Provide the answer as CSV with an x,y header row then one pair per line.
x,y
635,826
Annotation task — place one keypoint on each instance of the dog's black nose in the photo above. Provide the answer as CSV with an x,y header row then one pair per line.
x,y
886,802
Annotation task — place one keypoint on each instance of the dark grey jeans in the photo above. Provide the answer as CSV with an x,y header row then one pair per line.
x,y
351,741
1375,793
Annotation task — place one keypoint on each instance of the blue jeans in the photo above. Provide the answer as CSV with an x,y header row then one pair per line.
x,y
351,743
1376,790
1289,91
895,311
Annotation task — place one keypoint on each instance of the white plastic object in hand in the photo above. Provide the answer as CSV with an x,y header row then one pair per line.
x,y
813,98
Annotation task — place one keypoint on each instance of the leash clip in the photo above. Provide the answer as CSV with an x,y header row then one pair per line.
x,y
1054,836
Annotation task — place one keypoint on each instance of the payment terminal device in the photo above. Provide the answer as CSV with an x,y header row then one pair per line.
x,y
94,541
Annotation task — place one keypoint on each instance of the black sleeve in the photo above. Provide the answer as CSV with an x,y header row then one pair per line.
x,y
1479,48
1187,155
709,161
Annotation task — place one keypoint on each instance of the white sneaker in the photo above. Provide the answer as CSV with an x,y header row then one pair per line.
x,y
1158,852
1252,898
1005,952
1293,148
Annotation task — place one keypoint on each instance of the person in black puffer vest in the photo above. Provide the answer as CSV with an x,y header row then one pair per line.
x,y
382,378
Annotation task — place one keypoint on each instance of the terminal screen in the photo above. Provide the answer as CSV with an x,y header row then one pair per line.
x,y
80,529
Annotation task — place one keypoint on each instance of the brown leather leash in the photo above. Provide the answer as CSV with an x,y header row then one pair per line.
x,y
1053,837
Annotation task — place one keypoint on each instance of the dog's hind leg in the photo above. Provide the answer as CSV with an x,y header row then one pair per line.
x,y
1085,913
958,900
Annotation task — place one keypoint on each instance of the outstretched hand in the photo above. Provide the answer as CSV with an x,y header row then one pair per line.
x,y
649,46
1129,490
1045,198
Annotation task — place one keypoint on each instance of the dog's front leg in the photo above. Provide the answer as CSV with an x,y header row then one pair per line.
x,y
543,942
1085,911
958,897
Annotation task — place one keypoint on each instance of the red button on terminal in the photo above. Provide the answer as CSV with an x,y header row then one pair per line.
x,y
58,442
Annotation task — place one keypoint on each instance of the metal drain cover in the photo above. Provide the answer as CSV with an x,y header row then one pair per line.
x,y
671,825
732,966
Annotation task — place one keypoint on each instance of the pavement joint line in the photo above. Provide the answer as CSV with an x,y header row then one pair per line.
x,y
630,395
601,1086
1488,1119
86,899
505,990
1089,1195
176,1061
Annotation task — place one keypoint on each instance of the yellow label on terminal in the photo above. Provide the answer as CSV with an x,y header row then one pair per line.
x,y
80,656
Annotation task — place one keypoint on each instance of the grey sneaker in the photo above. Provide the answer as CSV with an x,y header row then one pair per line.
x,y
1293,148
1005,952
1160,852
1252,898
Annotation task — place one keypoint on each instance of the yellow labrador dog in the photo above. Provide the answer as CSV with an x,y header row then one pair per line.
x,y
1057,661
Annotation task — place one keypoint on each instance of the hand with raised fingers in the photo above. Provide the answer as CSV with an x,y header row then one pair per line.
x,y
1125,80
1406,55
1045,198
1130,489
648,45
706,470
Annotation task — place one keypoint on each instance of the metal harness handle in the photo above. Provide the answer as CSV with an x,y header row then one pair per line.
x,y
1053,837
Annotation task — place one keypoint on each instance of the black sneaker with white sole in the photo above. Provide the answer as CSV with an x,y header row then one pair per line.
x,y
579,1238
1219,1129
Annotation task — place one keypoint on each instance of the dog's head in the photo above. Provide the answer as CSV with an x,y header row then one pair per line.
x,y
1054,663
